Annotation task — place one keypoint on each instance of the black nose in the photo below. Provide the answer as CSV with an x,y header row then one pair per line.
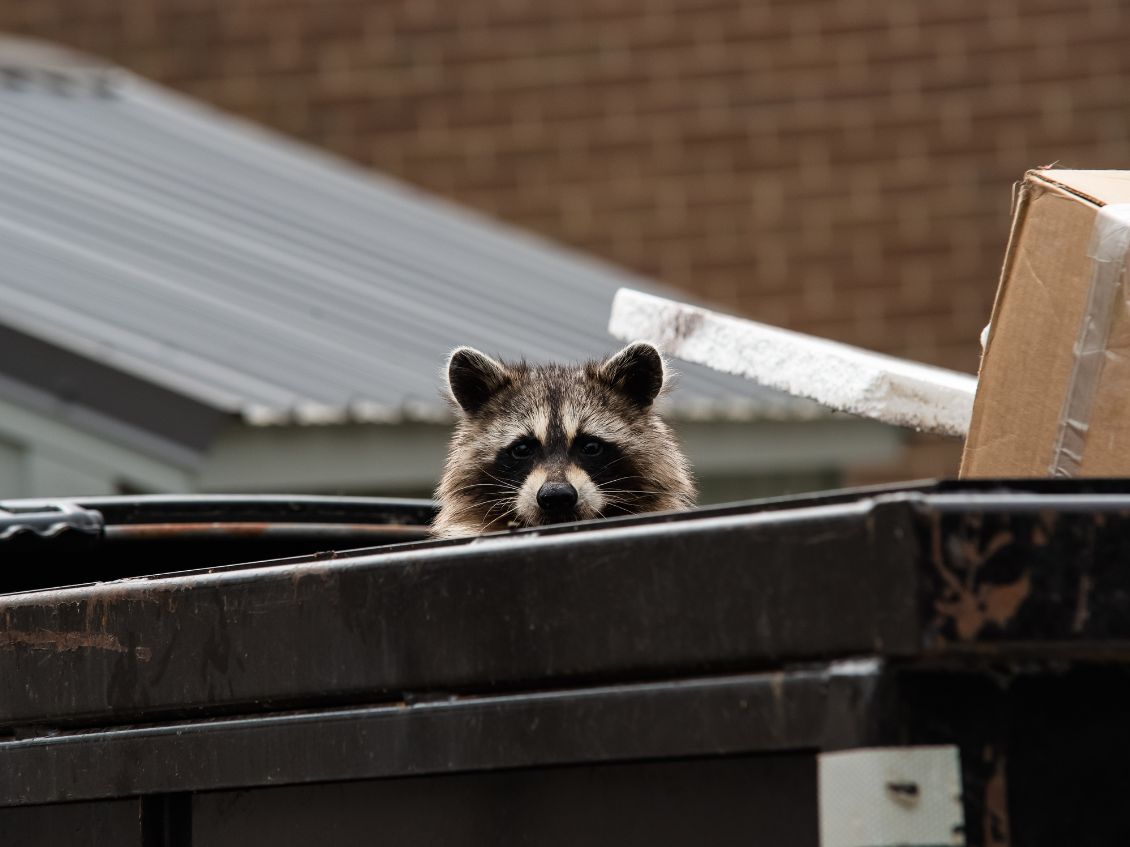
x,y
557,497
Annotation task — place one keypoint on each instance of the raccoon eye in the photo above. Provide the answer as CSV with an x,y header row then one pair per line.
x,y
521,450
591,447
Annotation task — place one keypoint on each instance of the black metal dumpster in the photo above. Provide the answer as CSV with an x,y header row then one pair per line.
x,y
935,664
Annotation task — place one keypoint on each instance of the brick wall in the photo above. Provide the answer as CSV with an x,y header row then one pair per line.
x,y
842,167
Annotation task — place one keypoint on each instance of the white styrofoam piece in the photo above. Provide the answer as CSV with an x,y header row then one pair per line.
x,y
842,377
891,797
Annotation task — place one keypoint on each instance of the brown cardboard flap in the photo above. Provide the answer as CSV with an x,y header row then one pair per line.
x,y
1029,366
1098,187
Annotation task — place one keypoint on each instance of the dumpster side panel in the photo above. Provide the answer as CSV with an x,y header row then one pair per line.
x,y
765,800
116,822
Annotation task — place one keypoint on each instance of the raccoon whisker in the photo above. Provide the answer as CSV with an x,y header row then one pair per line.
x,y
618,479
501,517
622,501
490,490
494,504
619,501
513,508
483,485
503,498
466,515
613,462
627,508
476,508
501,486
490,498
496,501
494,509
501,481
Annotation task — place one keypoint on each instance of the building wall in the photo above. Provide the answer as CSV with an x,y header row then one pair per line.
x,y
842,167
51,452
732,461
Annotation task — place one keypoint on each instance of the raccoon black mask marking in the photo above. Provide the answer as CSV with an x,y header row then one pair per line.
x,y
539,444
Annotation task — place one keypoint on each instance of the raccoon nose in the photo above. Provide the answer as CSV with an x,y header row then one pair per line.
x,y
557,497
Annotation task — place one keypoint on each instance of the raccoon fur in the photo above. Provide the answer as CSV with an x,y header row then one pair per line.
x,y
541,444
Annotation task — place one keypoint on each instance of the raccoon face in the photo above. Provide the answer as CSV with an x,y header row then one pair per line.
x,y
548,444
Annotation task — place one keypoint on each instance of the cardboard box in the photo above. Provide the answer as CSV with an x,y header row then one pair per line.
x,y
1053,397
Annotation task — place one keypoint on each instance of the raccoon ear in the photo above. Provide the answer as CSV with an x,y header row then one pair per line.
x,y
473,377
637,372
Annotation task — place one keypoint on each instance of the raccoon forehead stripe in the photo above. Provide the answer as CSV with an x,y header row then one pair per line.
x,y
539,424
570,422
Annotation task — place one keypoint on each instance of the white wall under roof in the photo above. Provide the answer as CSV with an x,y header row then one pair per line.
x,y
44,456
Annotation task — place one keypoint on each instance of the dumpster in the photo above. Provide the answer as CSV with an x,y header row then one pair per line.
x,y
940,663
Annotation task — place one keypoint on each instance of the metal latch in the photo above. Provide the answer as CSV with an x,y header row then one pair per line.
x,y
35,523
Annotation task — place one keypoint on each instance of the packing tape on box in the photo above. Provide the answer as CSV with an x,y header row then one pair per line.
x,y
1110,244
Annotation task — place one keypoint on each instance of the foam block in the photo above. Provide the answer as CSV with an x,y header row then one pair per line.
x,y
842,377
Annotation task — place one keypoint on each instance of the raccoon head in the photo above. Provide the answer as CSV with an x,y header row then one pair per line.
x,y
544,444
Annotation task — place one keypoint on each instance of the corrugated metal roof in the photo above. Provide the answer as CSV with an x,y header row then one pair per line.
x,y
263,277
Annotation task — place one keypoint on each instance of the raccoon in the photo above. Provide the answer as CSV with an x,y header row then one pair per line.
x,y
541,444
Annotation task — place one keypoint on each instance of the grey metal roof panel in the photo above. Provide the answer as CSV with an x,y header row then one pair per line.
x,y
269,279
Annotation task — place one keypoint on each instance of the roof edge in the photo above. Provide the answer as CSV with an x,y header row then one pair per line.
x,y
43,64
74,382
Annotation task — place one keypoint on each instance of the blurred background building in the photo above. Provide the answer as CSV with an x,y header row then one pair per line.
x,y
841,167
